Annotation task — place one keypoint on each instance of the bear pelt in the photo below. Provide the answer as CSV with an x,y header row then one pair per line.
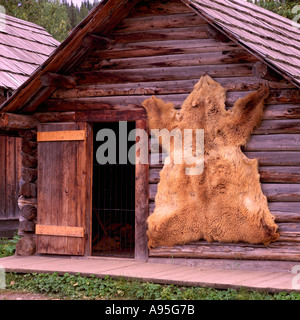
x,y
225,202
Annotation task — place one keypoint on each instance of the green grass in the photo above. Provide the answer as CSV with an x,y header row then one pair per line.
x,y
77,287
8,246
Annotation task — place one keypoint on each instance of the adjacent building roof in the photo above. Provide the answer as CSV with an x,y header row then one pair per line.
x,y
23,47
268,35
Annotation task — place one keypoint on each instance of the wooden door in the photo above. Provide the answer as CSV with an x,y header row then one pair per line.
x,y
64,188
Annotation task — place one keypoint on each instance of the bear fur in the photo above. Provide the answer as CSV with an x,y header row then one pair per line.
x,y
225,202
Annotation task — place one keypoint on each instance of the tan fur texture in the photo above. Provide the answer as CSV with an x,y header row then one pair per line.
x,y
225,203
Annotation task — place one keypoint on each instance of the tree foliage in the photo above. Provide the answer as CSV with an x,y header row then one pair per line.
x,y
57,17
281,7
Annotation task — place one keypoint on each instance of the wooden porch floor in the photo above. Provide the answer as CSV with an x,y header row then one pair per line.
x,y
153,272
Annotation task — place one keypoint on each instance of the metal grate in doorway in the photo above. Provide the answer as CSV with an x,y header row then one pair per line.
x,y
113,216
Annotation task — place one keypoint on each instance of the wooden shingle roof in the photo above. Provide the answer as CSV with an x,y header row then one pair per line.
x,y
23,47
268,35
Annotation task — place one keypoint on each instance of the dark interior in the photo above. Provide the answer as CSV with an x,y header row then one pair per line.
x,y
113,218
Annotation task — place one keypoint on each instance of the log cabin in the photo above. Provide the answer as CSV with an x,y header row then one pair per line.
x,y
122,53
23,47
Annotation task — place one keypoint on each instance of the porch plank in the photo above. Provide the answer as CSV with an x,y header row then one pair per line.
x,y
262,280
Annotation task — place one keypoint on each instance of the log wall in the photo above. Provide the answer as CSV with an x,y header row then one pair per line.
x,y
10,173
163,49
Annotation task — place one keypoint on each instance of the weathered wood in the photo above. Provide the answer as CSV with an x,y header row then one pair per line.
x,y
285,111
150,8
280,174
141,201
278,126
216,34
289,232
26,226
273,191
28,161
159,22
111,115
158,48
58,80
275,251
178,87
93,41
28,189
262,71
276,158
63,172
161,74
276,142
29,174
55,117
175,60
29,135
29,147
64,231
28,212
285,211
61,135
17,121
184,33
281,192
273,174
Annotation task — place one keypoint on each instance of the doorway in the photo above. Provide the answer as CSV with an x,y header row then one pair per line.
x,y
113,210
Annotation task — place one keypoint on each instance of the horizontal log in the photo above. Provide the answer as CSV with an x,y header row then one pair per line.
x,y
278,126
273,192
257,142
289,232
159,22
270,174
111,115
284,111
178,87
158,48
188,33
202,249
150,8
176,60
93,41
55,116
282,211
265,158
275,158
58,81
281,192
273,142
22,201
12,121
279,174
285,211
161,74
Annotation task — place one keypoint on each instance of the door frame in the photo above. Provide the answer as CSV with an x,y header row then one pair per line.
x,y
141,175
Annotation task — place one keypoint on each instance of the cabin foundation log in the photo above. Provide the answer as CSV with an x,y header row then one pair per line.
x,y
28,190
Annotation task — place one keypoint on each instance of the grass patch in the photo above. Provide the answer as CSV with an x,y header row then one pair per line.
x,y
8,246
77,287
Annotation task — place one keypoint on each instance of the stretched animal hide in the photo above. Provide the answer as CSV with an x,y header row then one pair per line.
x,y
225,202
